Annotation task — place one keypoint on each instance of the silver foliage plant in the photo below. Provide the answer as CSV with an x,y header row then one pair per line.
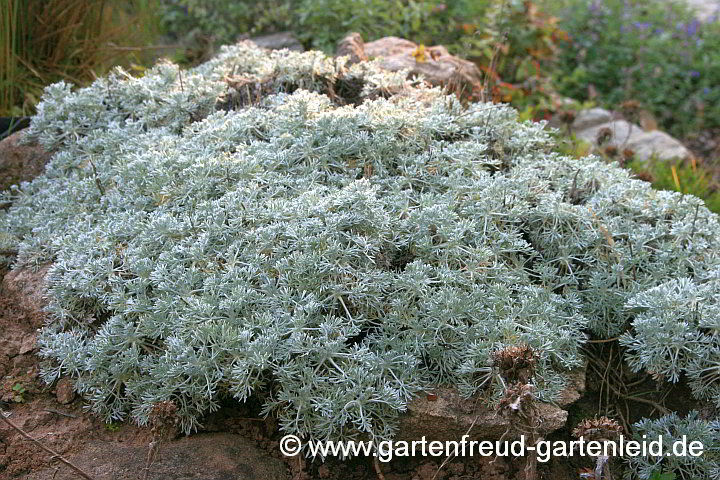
x,y
335,260
673,428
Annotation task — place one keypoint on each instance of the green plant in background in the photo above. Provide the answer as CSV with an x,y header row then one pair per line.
x,y
321,23
650,51
516,44
224,20
513,41
683,176
658,475
43,41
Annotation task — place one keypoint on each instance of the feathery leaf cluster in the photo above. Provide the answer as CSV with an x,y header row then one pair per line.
x,y
673,428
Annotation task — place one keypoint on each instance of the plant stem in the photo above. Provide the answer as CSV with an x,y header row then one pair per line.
x,y
47,449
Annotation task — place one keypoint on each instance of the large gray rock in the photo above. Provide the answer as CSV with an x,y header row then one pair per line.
x,y
448,416
591,117
624,135
279,41
705,10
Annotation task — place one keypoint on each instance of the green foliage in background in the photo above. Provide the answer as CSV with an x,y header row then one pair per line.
x,y
321,23
43,41
224,20
650,51
684,177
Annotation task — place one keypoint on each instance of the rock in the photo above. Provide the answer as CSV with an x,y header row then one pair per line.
x,y
20,162
575,389
352,46
645,145
590,118
618,133
28,344
279,41
216,456
64,391
438,67
26,287
449,416
665,147
389,47
4,364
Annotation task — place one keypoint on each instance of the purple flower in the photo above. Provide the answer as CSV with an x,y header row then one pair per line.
x,y
642,25
694,73
659,30
692,28
706,90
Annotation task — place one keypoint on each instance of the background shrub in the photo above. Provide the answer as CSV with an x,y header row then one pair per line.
x,y
650,51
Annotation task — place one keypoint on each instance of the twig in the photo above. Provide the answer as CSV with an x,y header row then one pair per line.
x,y
69,415
605,380
97,180
376,464
450,457
652,403
182,87
152,453
47,449
607,340
692,232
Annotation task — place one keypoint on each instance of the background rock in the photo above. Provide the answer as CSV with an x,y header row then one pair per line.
x,y
19,162
704,9
625,135
591,118
438,67
278,41
352,46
